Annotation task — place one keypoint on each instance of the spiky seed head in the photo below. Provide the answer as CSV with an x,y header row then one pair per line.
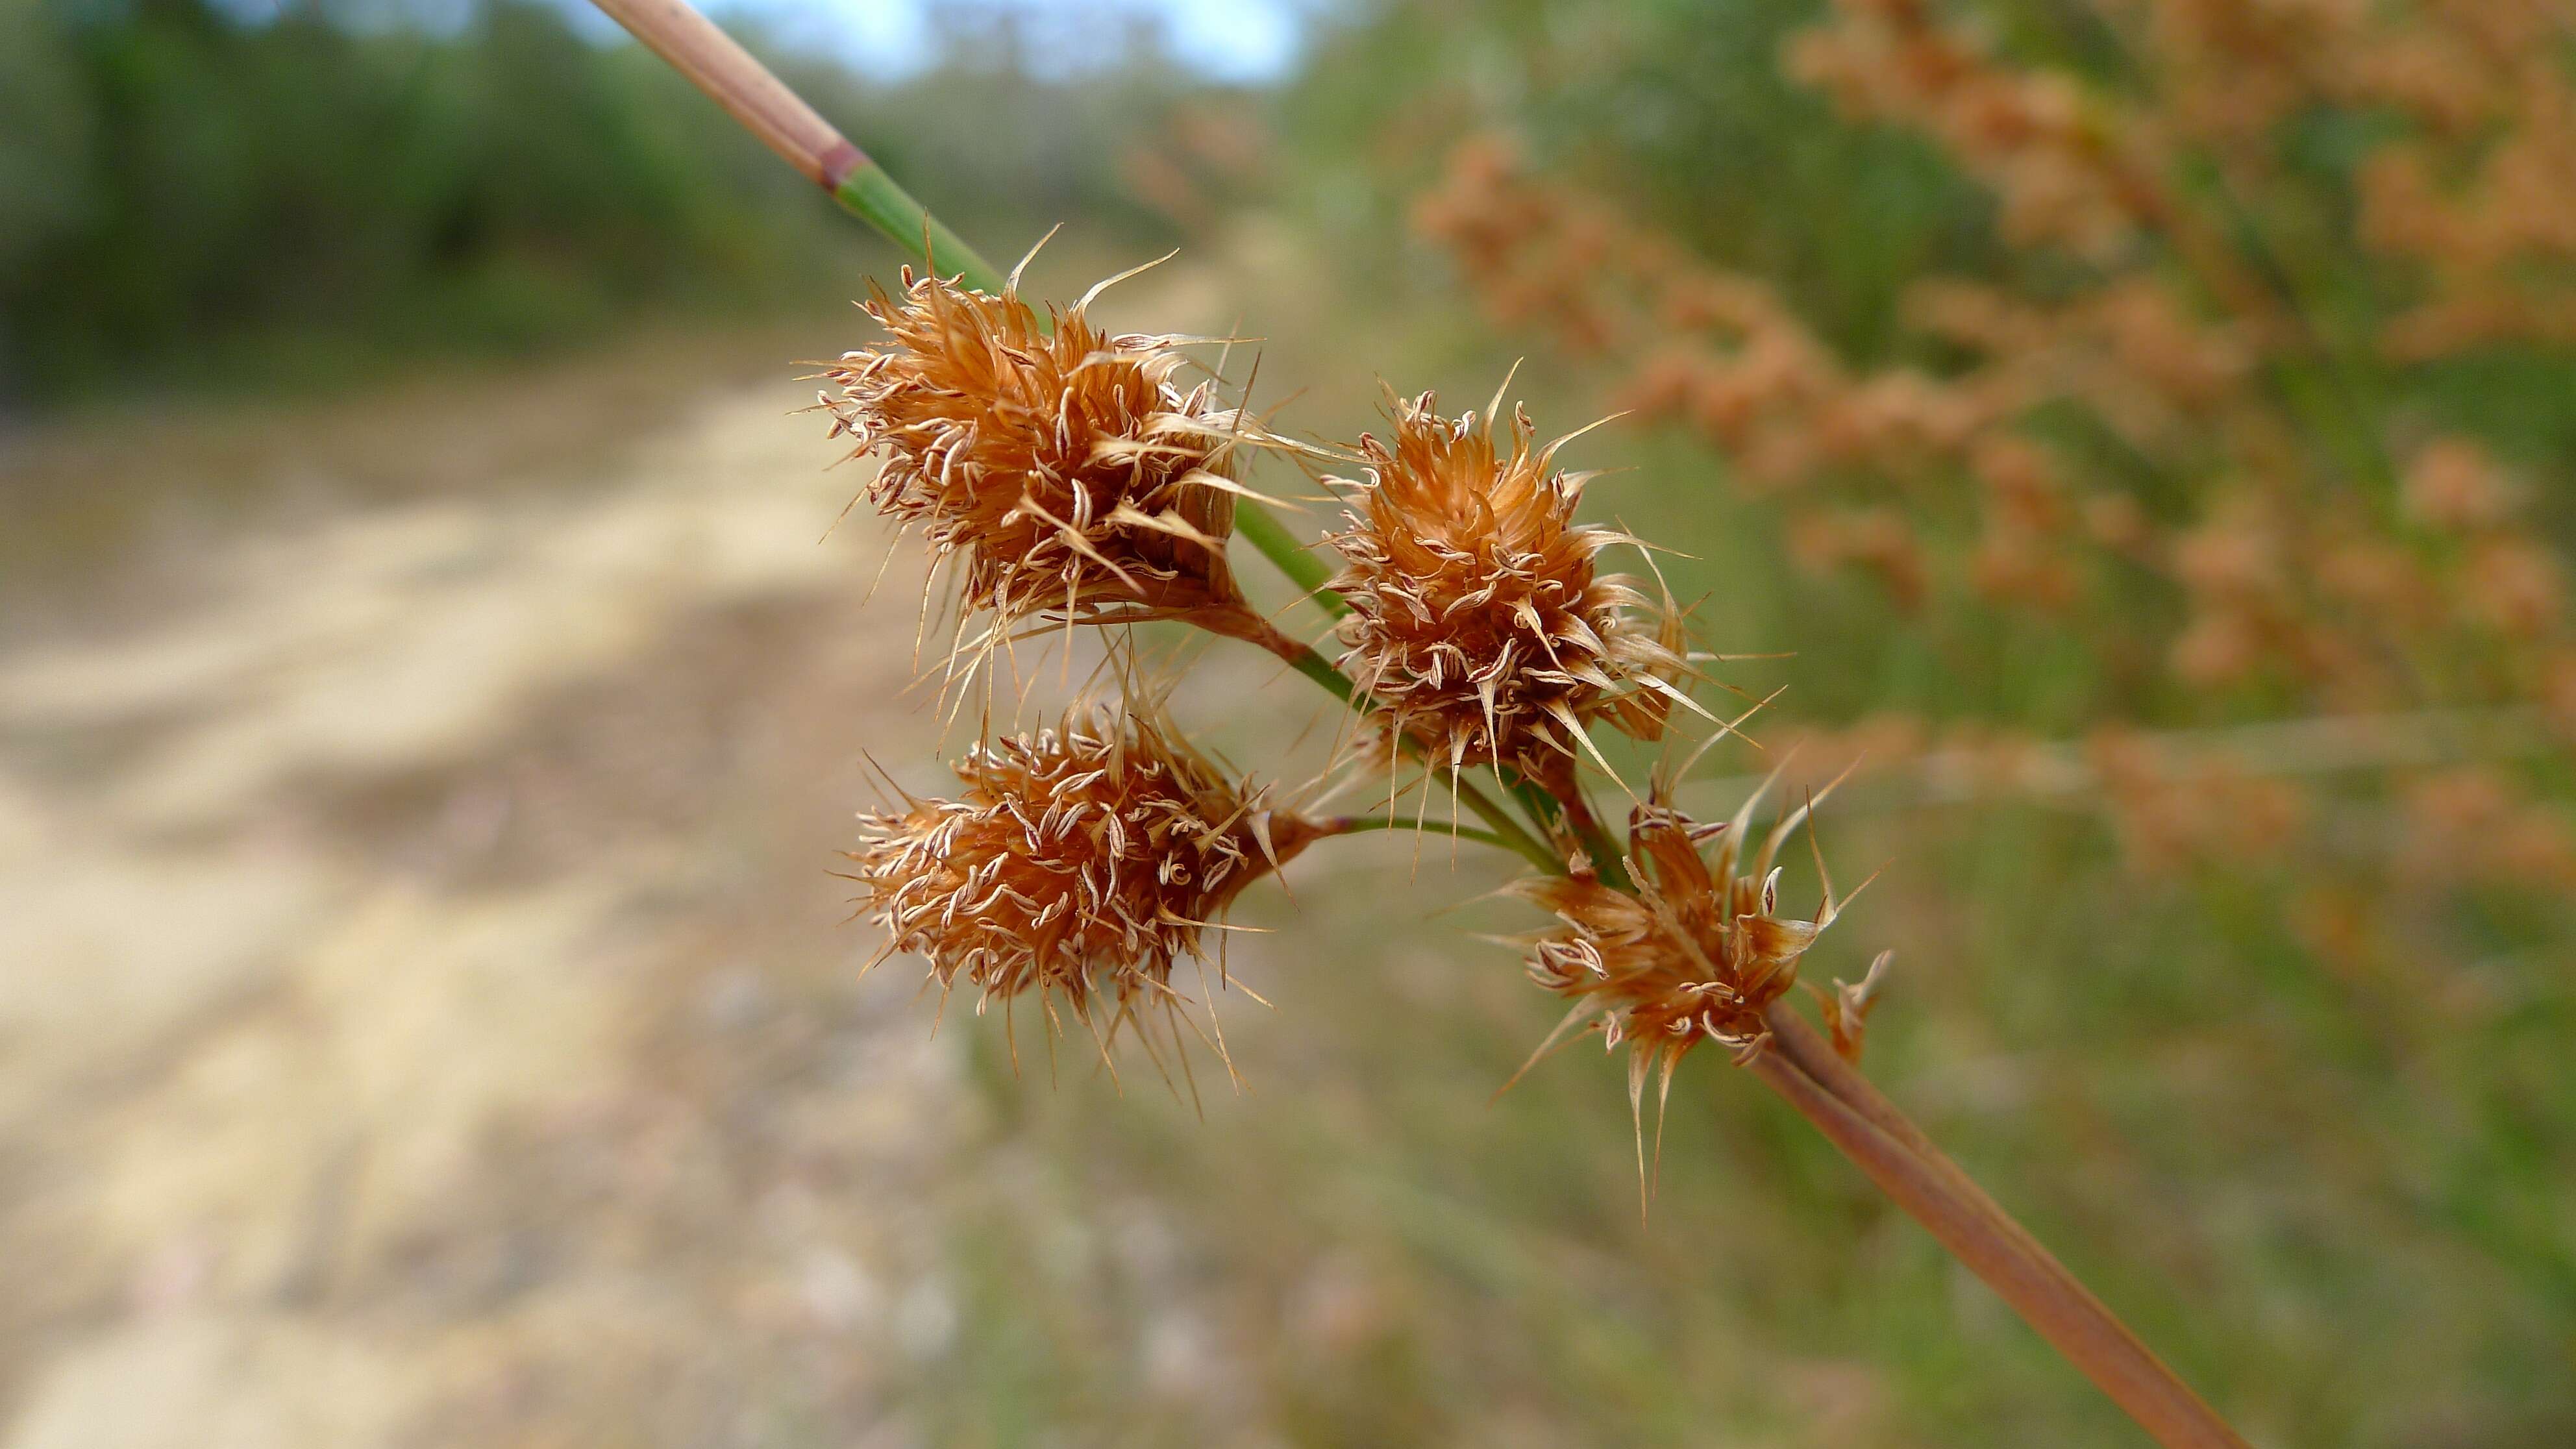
x,y
1077,860
1066,468
1478,616
1697,954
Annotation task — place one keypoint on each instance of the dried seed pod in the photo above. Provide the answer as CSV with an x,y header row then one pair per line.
x,y
1079,859
1478,618
1698,953
1066,467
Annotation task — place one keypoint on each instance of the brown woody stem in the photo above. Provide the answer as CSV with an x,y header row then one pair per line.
x,y
1937,1193
736,80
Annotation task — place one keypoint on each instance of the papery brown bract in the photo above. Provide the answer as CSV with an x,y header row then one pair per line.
x,y
1478,618
1846,1008
1065,467
1697,954
1078,861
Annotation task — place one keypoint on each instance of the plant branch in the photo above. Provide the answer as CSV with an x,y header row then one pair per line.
x,y
1803,1070
2024,1274
1560,801
1358,824
734,79
1544,806
1270,538
1243,622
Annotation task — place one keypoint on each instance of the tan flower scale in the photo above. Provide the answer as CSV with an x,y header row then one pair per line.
x,y
1479,619
1066,467
1077,860
1698,954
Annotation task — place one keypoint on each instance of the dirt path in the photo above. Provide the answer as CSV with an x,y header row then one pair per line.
x,y
424,1019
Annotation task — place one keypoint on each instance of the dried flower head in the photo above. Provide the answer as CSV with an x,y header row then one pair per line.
x,y
1477,616
1077,860
1064,465
1698,953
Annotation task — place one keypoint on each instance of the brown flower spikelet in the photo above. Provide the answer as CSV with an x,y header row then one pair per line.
x,y
1477,617
1696,954
1078,859
1067,468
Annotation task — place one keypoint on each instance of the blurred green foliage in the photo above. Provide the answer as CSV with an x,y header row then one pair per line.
x,y
190,199
1678,105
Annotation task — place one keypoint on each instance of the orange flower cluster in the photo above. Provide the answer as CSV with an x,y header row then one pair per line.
x,y
2473,824
1696,954
1532,251
2172,812
1080,860
1075,479
1065,467
1478,617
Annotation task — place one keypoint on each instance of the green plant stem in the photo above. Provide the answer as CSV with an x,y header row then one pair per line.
x,y
1271,539
872,196
1515,836
1242,622
1576,818
734,79
1357,824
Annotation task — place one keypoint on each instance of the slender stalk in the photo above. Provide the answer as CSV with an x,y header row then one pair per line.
x,y
1561,801
1514,834
2037,1286
1803,1070
1249,626
1242,621
1257,526
730,75
1357,824
1812,1054
871,195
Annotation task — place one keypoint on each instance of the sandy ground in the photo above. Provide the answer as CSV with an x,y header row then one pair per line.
x,y
427,1018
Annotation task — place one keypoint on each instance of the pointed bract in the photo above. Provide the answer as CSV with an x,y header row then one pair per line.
x,y
1477,613
1066,468
1078,861
1698,953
